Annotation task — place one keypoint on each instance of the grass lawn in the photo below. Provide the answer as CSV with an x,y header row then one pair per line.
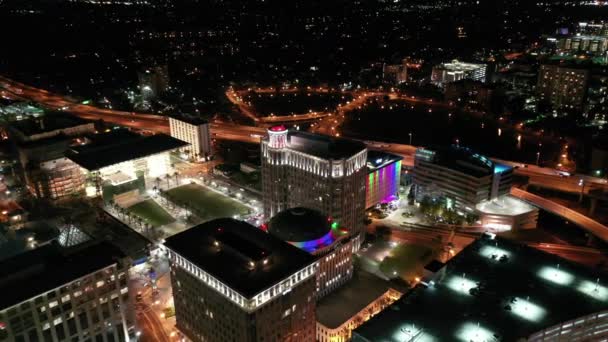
x,y
152,213
407,260
211,204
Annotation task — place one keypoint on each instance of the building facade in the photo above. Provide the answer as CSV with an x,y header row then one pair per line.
x,y
76,294
196,133
462,177
563,87
234,282
455,71
319,235
343,332
383,178
315,171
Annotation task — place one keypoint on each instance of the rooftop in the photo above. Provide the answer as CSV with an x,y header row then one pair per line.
x,y
190,119
483,293
340,305
305,228
456,65
458,158
299,224
225,247
30,274
101,154
377,159
47,123
324,146
505,205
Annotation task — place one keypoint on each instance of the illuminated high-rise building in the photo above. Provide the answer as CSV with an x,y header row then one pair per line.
x,y
315,171
456,71
234,282
565,88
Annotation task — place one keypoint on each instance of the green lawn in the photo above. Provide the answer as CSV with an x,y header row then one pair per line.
x,y
407,260
152,213
208,204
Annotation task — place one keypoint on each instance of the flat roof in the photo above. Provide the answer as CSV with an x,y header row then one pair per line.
x,y
377,159
324,146
47,123
238,244
190,119
458,158
505,205
510,299
340,305
32,273
95,156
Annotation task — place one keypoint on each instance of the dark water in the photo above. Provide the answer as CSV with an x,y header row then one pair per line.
x,y
438,127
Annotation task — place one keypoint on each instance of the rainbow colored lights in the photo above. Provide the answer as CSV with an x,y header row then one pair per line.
x,y
322,242
383,184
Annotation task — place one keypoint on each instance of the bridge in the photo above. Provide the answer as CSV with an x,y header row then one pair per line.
x,y
586,223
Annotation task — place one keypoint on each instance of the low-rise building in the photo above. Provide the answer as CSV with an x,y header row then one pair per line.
x,y
347,308
383,178
118,165
499,290
455,71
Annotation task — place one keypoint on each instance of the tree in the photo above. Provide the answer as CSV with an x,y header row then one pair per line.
x,y
167,178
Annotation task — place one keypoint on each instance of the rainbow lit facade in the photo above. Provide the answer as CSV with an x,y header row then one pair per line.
x,y
325,241
383,183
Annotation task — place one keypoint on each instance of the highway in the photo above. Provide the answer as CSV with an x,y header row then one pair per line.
x,y
140,121
590,225
545,177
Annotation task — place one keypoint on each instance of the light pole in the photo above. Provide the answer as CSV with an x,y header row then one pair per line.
x,y
537,158
410,138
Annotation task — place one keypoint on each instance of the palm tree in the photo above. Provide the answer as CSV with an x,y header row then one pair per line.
x,y
157,180
176,175
167,177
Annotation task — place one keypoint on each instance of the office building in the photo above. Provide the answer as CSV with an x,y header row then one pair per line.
x,y
460,176
383,178
57,294
563,87
455,71
498,290
195,132
319,235
233,282
315,171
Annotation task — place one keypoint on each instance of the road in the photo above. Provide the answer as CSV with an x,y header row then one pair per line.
x,y
140,121
588,224
328,125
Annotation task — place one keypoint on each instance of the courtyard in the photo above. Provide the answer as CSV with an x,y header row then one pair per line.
x,y
152,213
208,204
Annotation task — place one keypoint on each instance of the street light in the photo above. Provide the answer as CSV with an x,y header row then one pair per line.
x,y
410,138
537,157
